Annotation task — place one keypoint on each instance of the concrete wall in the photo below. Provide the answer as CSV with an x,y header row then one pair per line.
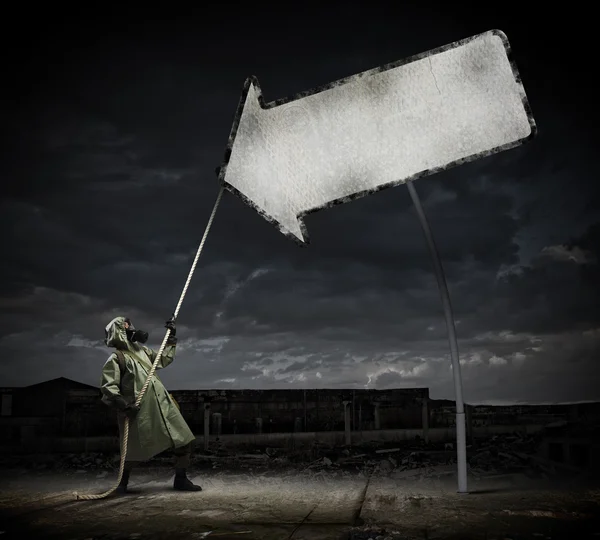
x,y
75,410
111,444
282,411
444,414
579,453
16,431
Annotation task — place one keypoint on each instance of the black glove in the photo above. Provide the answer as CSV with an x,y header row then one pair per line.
x,y
129,409
170,324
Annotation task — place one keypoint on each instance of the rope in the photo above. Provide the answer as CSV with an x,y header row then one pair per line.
x,y
153,369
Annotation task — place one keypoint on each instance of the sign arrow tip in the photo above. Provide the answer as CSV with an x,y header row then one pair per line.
x,y
251,168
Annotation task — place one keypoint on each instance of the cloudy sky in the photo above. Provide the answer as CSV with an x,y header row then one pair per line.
x,y
115,125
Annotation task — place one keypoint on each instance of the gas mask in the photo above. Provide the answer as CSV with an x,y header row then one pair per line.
x,y
135,336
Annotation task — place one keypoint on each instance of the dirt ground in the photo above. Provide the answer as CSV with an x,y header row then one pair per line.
x,y
298,503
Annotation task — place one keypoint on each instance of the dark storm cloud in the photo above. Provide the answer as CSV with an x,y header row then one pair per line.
x,y
112,182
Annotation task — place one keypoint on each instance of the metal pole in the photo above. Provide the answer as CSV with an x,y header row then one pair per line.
x,y
206,426
461,445
347,432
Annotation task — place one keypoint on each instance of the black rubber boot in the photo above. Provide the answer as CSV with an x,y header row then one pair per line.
x,y
183,483
122,488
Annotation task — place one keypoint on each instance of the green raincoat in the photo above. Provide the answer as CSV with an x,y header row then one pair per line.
x,y
159,425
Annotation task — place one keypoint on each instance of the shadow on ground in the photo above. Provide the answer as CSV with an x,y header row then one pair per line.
x,y
298,504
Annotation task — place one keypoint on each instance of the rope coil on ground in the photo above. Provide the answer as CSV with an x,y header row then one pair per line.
x,y
140,396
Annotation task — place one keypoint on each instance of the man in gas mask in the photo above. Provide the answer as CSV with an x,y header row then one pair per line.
x,y
156,424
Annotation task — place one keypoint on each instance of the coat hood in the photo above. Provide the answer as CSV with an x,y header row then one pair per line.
x,y
114,334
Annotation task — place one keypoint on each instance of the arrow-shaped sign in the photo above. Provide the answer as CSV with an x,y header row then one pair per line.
x,y
376,129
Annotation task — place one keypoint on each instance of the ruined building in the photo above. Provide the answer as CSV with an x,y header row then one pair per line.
x,y
62,408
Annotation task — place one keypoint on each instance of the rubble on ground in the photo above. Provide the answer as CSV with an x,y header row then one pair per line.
x,y
507,453
406,459
370,532
60,462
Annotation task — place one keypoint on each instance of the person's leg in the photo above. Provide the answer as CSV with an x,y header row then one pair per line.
x,y
183,455
129,465
182,462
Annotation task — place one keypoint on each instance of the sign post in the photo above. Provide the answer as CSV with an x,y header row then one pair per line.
x,y
461,444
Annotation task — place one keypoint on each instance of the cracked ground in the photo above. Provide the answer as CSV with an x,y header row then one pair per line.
x,y
298,503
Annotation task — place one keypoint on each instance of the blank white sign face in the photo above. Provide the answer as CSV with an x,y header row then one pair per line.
x,y
376,129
